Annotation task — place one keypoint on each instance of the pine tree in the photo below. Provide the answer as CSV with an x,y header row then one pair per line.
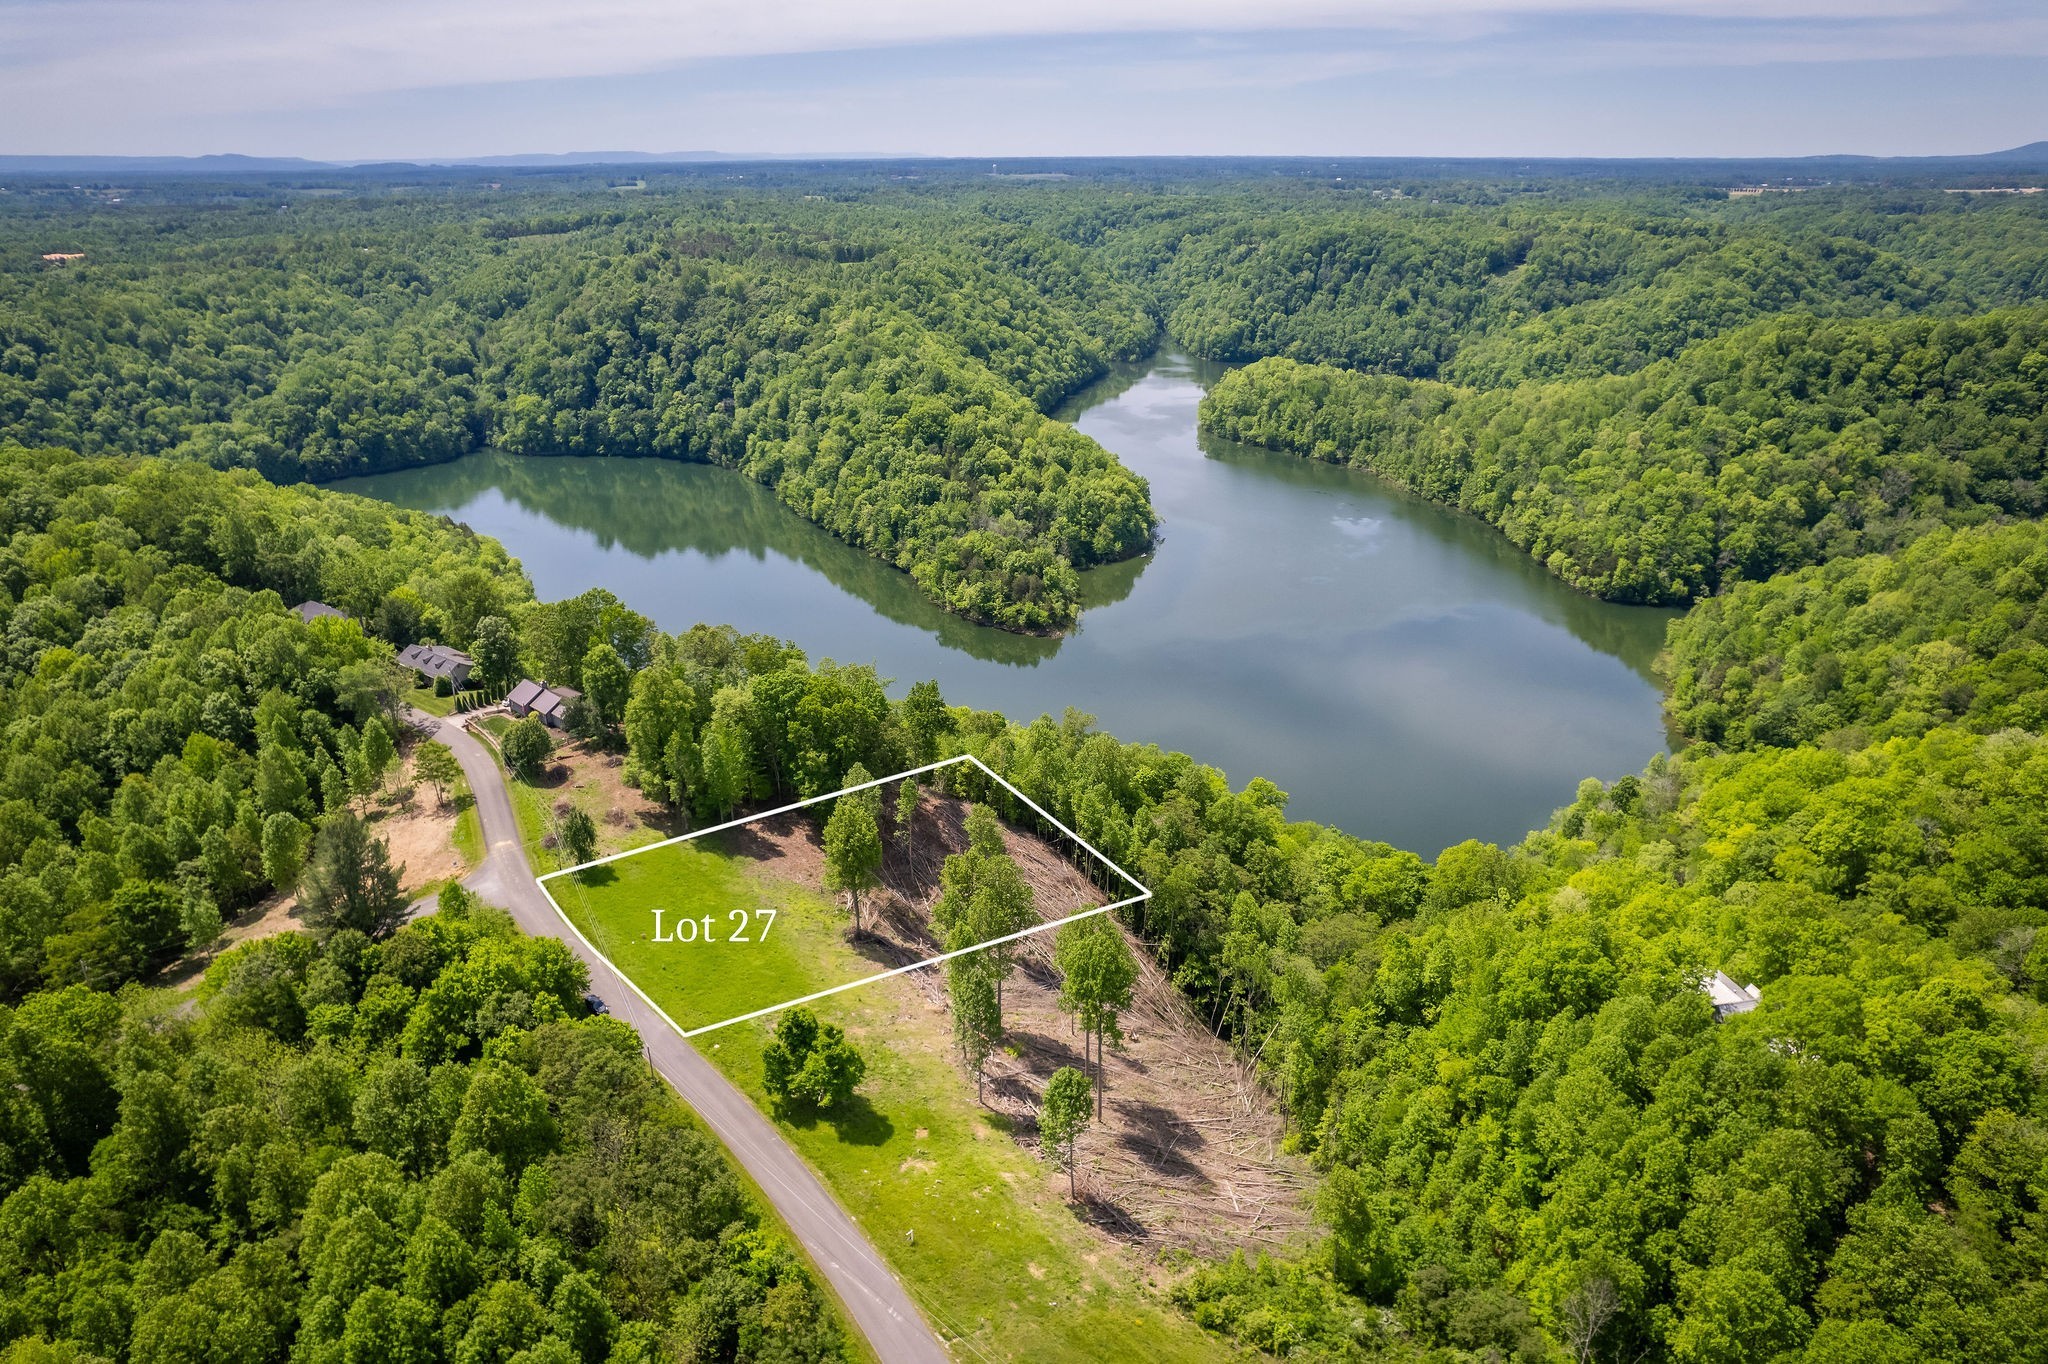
x,y
350,882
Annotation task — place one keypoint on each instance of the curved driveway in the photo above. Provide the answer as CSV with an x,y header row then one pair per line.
x,y
880,1308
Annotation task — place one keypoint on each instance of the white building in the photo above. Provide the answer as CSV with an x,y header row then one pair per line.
x,y
1727,997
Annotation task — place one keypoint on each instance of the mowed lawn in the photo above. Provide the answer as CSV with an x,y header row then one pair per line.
x,y
702,981
977,1228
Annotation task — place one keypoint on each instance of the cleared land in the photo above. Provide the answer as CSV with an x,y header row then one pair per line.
x,y
432,843
577,775
948,1188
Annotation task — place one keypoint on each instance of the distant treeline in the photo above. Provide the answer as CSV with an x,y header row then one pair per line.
x,y
882,354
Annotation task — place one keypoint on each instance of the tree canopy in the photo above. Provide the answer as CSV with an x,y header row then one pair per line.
x,y
418,1149
1789,442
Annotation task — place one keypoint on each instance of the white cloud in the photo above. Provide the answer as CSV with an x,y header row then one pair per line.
x,y
222,55
377,77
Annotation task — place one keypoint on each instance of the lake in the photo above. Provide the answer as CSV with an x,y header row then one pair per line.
x,y
1401,670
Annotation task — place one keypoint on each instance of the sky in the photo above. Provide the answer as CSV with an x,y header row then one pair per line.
x,y
418,79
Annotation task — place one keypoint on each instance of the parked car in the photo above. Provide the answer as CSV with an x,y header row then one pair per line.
x,y
594,1003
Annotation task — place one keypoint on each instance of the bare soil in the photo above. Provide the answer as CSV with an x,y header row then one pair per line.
x,y
420,833
1187,1155
422,841
265,919
596,781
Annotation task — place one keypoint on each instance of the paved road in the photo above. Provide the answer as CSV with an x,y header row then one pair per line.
x,y
880,1307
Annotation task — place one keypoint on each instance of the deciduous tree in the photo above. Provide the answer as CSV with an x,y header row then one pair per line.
x,y
1098,974
435,763
1062,1115
526,746
579,835
853,849
977,1017
809,1065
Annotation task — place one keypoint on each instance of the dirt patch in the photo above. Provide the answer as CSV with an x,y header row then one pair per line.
x,y
422,843
596,781
268,918
791,847
1187,1155
418,829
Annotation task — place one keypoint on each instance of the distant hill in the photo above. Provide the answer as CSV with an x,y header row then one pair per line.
x,y
230,164
157,165
2033,154
589,158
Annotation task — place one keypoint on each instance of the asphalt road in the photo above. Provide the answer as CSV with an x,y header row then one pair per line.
x,y
877,1302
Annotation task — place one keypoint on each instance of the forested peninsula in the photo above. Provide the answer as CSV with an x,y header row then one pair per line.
x,y
1781,444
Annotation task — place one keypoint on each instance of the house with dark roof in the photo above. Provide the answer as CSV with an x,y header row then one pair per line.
x,y
308,610
521,698
551,704
433,660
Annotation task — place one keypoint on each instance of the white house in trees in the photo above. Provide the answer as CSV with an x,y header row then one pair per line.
x,y
1727,997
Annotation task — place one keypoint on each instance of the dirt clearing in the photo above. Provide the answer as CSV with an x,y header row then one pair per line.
x,y
1187,1155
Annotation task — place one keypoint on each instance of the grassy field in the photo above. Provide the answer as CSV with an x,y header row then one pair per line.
x,y
976,1227
469,834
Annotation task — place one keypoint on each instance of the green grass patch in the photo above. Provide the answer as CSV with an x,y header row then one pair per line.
x,y
530,812
424,699
533,808
707,980
469,832
976,1227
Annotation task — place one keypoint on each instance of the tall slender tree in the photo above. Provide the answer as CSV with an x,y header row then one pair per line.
x,y
1099,974
1061,1116
906,815
977,1015
853,849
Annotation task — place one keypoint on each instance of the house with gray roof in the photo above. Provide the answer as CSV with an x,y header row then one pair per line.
x,y
551,704
521,698
433,660
309,610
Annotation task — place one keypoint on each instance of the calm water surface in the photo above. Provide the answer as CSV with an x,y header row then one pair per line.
x,y
1402,671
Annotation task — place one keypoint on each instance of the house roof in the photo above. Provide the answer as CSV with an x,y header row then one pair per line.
x,y
309,609
555,700
1728,997
434,660
525,693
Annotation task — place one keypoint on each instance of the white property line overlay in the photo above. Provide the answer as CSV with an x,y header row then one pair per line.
x,y
542,881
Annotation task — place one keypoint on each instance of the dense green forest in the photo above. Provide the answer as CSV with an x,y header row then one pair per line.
x,y
884,359
1478,293
166,714
407,1147
1526,1111
413,1149
1787,442
1949,631
886,383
